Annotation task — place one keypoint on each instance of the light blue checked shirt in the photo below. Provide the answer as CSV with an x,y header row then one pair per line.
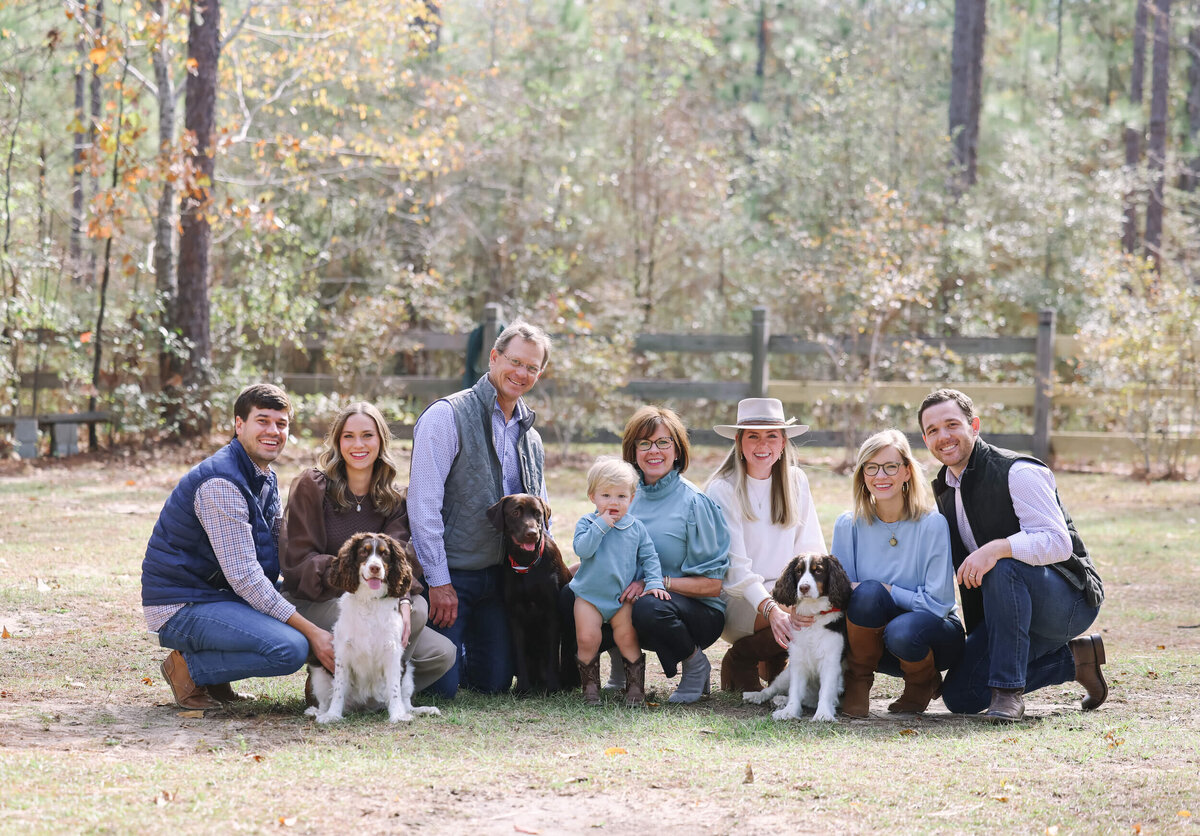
x,y
226,520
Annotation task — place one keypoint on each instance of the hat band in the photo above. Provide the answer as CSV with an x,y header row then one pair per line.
x,y
779,421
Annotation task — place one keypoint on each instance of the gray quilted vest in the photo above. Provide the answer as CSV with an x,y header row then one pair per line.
x,y
475,484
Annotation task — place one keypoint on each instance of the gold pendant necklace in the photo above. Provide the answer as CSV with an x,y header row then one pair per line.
x,y
893,541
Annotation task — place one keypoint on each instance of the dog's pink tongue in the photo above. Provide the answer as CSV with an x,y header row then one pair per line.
x,y
528,546
374,583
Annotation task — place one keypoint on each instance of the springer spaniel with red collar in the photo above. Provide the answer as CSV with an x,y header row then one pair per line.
x,y
816,585
370,670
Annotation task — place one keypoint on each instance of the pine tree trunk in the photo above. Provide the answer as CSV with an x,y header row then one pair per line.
x,y
1133,132
195,239
1156,151
170,365
966,90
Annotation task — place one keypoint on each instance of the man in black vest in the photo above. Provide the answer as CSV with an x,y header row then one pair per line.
x,y
1027,585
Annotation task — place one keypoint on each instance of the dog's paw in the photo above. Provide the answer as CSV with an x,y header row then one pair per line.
x,y
785,713
328,717
400,718
779,701
824,715
756,697
426,709
311,711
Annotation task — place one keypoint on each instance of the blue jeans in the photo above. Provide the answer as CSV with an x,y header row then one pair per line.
x,y
480,634
230,640
1030,613
907,635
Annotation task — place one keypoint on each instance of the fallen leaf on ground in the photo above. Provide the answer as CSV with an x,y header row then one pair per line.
x,y
164,797
5,634
287,822
1137,828
907,732
1001,798
147,680
579,779
749,777
130,482
42,586
615,750
1187,814
191,714
250,756
522,829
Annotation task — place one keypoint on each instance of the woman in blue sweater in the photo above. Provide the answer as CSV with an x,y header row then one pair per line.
x,y
692,541
895,547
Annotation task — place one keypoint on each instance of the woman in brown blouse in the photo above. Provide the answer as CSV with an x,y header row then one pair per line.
x,y
353,489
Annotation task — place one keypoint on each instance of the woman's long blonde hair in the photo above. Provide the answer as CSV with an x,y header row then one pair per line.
x,y
783,494
917,493
383,492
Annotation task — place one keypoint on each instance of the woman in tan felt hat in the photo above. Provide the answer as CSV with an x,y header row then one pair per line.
x,y
769,509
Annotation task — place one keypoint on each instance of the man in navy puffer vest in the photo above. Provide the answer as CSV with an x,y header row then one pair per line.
x,y
208,579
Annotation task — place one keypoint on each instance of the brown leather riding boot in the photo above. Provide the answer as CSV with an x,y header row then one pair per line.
x,y
589,675
187,694
865,645
740,668
635,681
921,682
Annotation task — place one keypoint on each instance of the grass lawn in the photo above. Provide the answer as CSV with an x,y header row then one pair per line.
x,y
90,741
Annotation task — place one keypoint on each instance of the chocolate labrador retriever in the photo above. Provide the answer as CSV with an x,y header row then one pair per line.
x,y
544,655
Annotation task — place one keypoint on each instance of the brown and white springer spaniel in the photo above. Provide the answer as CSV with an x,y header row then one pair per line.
x,y
370,668
816,585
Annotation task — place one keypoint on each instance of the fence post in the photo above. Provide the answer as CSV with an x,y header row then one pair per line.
x,y
760,370
1043,384
491,330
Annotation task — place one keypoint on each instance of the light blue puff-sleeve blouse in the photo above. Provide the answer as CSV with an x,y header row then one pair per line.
x,y
688,530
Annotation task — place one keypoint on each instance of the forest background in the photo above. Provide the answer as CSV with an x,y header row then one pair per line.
x,y
201,194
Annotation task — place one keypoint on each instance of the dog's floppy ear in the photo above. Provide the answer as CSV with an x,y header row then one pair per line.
x,y
343,570
545,506
495,514
399,573
785,587
837,584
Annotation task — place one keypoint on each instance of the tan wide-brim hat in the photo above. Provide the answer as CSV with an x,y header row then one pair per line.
x,y
760,414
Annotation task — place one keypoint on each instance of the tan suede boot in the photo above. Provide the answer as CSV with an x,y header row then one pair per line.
x,y
865,648
740,667
589,675
921,682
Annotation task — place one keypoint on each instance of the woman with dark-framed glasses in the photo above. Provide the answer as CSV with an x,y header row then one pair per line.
x,y
895,547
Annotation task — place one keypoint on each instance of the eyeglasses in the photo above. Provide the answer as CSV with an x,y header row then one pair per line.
x,y
890,468
517,364
662,444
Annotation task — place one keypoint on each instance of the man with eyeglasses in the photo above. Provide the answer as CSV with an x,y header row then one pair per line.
x,y
469,450
1027,585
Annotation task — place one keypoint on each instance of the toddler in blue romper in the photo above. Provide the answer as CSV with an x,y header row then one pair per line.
x,y
614,550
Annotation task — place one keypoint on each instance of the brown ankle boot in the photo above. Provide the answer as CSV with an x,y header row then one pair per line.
x,y
740,669
1089,656
921,682
1008,706
865,648
635,681
589,675
187,694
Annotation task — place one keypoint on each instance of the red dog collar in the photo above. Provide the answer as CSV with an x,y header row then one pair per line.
x,y
521,570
